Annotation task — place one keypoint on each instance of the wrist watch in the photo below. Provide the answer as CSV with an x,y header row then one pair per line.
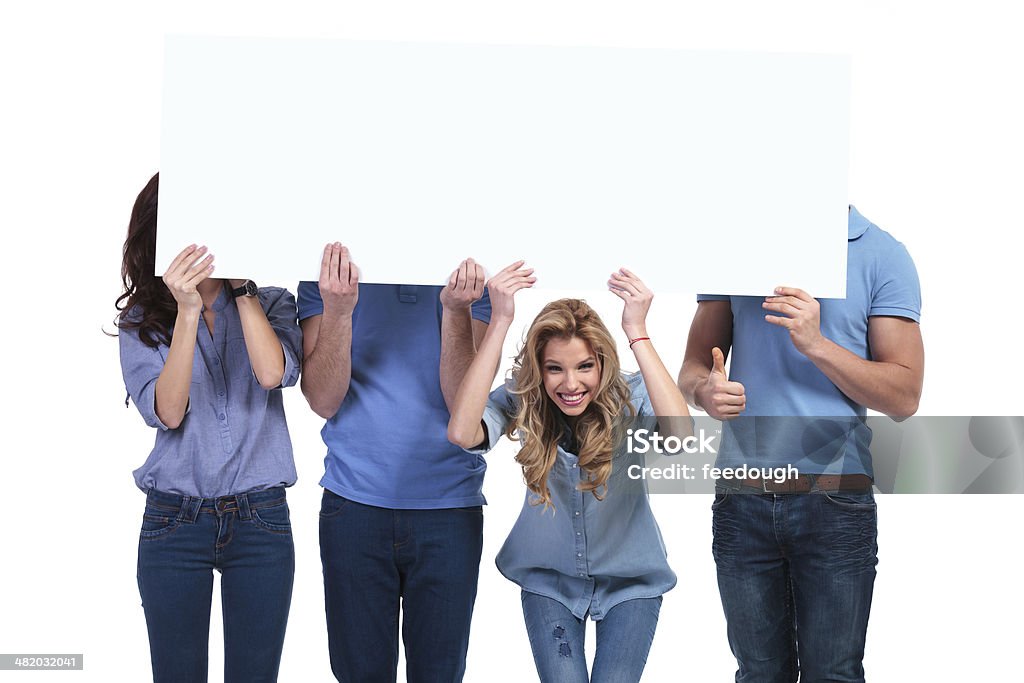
x,y
248,288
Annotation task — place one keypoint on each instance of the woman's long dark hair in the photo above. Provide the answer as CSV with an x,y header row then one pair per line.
x,y
146,304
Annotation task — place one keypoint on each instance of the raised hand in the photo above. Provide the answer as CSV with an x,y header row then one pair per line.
x,y
801,316
186,271
637,300
503,286
339,280
720,398
465,286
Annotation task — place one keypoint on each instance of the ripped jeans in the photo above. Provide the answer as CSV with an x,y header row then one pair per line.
x,y
623,640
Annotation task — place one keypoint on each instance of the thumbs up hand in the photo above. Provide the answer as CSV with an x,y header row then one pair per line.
x,y
717,396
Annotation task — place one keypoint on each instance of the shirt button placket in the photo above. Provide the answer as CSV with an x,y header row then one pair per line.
x,y
577,518
220,383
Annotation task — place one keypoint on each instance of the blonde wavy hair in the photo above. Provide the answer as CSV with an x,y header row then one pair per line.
x,y
539,425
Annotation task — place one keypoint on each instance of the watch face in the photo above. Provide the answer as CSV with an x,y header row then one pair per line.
x,y
250,288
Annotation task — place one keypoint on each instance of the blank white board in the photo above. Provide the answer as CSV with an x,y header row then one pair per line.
x,y
701,171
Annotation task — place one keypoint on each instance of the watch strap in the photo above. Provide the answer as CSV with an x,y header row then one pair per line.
x,y
248,288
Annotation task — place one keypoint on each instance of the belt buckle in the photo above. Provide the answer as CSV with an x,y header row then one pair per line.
x,y
764,485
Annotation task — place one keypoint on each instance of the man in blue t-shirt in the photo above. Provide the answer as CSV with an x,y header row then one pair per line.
x,y
401,523
796,572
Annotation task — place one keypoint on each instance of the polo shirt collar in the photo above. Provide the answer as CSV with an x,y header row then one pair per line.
x,y
858,224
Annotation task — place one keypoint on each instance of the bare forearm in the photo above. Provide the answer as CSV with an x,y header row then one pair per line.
x,y
711,328
175,380
887,387
467,408
691,375
327,370
266,355
457,351
666,399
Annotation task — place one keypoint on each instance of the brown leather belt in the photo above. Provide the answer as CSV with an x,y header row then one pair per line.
x,y
804,483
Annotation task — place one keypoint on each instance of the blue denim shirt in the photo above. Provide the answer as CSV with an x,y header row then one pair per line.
x,y
234,437
588,554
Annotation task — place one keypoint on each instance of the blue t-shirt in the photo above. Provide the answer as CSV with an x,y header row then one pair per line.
x,y
881,280
387,445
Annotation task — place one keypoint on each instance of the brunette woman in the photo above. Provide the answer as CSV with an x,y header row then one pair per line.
x,y
204,360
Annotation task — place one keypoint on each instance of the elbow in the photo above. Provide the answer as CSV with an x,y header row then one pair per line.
x,y
325,413
270,377
171,422
325,409
322,406
322,409
912,406
458,436
271,382
905,408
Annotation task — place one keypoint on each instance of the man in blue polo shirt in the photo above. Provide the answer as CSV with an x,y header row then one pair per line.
x,y
796,572
401,521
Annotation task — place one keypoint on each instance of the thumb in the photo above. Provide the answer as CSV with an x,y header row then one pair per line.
x,y
718,359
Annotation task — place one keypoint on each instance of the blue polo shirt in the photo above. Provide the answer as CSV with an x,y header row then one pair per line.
x,y
387,445
881,280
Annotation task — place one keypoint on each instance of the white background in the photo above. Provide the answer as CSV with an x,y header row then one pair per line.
x,y
935,159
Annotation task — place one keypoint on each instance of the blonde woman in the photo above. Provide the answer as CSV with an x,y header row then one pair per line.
x,y
586,542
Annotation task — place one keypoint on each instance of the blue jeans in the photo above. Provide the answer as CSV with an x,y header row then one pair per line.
x,y
376,559
248,539
623,640
796,572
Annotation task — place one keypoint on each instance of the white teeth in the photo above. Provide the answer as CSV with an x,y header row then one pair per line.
x,y
571,398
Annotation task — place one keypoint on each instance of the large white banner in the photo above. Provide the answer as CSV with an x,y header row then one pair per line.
x,y
701,171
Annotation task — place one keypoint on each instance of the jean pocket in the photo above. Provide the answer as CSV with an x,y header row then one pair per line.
x,y
851,500
274,518
722,494
156,525
332,504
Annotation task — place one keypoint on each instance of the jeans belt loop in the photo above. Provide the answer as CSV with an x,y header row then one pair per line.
x,y
183,510
189,509
243,506
814,482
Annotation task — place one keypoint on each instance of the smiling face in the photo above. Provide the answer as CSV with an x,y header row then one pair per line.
x,y
572,374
